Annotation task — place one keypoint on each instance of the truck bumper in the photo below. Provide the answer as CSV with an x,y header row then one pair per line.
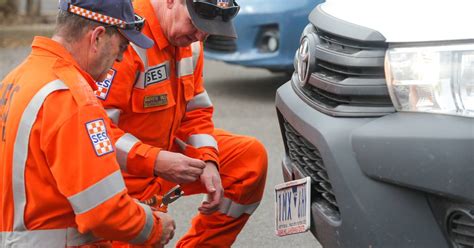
x,y
389,181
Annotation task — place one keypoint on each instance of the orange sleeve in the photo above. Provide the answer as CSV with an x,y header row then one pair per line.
x,y
197,127
134,157
82,159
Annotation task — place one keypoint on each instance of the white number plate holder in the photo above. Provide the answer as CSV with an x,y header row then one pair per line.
x,y
292,207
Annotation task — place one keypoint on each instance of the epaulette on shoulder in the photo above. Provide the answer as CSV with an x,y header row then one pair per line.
x,y
77,84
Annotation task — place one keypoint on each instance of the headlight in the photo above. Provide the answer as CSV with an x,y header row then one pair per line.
x,y
436,79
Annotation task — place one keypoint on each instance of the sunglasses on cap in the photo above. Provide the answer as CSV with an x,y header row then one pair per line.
x,y
137,25
210,11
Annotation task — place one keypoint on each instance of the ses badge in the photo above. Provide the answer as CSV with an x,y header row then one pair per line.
x,y
156,74
103,87
98,135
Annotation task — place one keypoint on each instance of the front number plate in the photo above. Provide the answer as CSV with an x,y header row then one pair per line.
x,y
292,207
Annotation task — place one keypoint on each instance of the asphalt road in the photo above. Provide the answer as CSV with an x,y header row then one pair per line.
x,y
244,104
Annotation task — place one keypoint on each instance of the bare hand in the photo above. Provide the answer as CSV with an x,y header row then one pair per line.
x,y
211,180
168,227
178,168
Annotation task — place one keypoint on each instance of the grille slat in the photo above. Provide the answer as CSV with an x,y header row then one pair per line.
x,y
327,187
346,71
347,45
307,157
323,175
467,233
464,223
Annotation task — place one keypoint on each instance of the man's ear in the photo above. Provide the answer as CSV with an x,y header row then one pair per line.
x,y
97,36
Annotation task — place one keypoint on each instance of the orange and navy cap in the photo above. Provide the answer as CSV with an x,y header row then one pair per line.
x,y
115,13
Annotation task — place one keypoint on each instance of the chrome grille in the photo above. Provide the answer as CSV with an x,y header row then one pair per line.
x,y
308,158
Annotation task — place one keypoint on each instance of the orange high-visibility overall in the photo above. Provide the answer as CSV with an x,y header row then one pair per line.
x,y
157,95
60,181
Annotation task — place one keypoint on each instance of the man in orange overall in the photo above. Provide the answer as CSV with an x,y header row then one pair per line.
x,y
60,181
166,136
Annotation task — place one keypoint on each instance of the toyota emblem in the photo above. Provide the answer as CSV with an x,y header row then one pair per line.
x,y
305,60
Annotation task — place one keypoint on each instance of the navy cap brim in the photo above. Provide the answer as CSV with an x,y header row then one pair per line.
x,y
137,38
214,27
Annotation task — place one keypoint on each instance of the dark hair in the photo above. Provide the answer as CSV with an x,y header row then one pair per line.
x,y
72,27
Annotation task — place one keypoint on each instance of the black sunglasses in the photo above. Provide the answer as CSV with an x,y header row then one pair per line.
x,y
210,11
137,25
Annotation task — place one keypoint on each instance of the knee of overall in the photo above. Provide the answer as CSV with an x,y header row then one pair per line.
x,y
258,155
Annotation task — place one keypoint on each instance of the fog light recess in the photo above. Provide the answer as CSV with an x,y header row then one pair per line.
x,y
269,39
460,226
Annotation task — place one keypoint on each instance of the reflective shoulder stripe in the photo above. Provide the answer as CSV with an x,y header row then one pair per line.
x,y
140,83
234,209
97,193
185,67
199,101
196,48
141,53
124,144
202,140
147,228
50,238
113,114
20,150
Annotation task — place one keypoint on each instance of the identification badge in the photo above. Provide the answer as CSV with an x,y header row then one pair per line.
x,y
99,138
103,87
156,74
292,207
155,101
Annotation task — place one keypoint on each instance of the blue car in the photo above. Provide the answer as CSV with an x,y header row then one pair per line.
x,y
268,34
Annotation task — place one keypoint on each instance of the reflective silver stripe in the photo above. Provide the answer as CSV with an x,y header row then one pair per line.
x,y
196,48
180,143
97,193
124,145
202,140
199,101
140,83
20,150
50,238
234,209
147,228
113,114
185,67
75,238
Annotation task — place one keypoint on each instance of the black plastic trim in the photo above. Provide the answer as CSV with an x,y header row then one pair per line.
x,y
353,60
333,25
341,110
351,86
